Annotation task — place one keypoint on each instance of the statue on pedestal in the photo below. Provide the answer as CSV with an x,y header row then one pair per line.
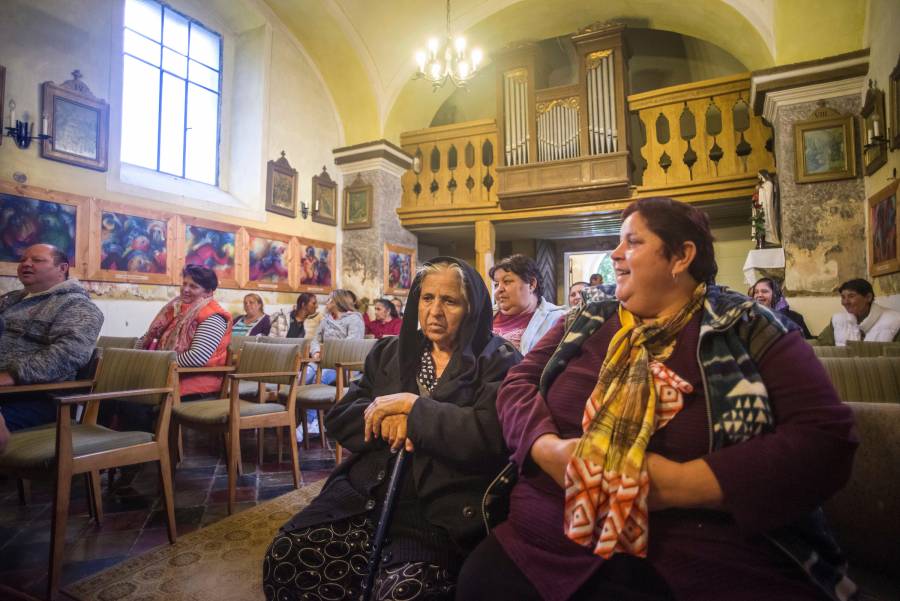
x,y
766,219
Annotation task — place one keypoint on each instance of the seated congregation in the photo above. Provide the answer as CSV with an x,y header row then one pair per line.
x,y
652,441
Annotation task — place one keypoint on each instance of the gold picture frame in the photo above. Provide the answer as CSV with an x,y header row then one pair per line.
x,y
324,199
358,205
825,147
131,245
315,265
77,124
399,268
267,261
894,108
281,187
874,137
883,231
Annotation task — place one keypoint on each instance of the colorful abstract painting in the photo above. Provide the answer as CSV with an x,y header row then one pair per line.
x,y
267,260
26,221
399,268
131,243
211,248
316,265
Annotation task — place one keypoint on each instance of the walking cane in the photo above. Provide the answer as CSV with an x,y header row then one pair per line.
x,y
383,523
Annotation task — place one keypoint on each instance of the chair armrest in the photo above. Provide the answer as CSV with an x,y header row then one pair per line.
x,y
353,365
103,396
68,385
262,374
204,370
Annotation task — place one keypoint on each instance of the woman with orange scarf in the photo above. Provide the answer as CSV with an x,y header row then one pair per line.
x,y
664,444
196,327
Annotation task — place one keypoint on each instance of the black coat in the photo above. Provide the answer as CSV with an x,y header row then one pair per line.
x,y
459,445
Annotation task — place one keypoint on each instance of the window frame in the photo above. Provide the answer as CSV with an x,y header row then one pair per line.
x,y
191,21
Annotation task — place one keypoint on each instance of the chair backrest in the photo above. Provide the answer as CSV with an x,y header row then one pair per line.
x,y
345,351
832,351
865,379
89,369
117,341
128,369
237,342
263,357
861,348
892,350
862,513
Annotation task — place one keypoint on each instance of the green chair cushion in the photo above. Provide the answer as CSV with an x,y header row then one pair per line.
x,y
36,448
312,393
216,411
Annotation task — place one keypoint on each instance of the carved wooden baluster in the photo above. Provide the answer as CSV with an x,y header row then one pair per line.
x,y
688,128
740,112
470,164
662,137
435,167
417,169
714,128
487,159
451,164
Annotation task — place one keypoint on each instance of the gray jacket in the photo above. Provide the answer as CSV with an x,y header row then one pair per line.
x,y
544,318
48,336
347,326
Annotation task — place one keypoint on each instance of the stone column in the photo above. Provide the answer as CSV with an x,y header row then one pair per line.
x,y
485,247
823,223
378,164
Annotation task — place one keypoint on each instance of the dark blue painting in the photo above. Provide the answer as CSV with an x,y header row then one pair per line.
x,y
131,243
26,221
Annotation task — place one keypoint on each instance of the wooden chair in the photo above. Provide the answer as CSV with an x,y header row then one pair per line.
x,y
117,342
343,356
73,447
261,363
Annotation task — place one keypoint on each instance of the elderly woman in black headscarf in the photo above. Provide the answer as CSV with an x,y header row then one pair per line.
x,y
431,391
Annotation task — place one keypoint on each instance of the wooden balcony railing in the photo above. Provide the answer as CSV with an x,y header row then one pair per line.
x,y
700,137
454,166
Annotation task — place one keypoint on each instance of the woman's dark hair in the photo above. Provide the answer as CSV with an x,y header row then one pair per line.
x,y
203,276
777,294
304,299
676,223
391,307
524,267
858,285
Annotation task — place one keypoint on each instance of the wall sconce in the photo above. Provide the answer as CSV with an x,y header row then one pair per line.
x,y
22,131
304,210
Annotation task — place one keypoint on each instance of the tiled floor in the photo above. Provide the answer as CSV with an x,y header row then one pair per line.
x,y
134,520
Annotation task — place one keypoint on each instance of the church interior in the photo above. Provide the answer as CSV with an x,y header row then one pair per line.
x,y
307,147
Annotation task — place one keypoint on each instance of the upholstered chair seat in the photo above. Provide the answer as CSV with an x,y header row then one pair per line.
x,y
216,411
35,448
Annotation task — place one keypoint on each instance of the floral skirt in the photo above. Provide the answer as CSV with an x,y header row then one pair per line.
x,y
330,562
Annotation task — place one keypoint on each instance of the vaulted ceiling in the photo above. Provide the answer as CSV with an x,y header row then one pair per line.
x,y
364,48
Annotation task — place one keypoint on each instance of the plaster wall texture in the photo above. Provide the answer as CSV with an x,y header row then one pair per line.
x,y
822,223
363,250
272,100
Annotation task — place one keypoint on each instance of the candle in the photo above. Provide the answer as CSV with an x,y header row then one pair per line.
x,y
875,127
869,136
12,114
44,124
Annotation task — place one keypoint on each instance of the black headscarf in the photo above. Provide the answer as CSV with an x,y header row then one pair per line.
x,y
474,339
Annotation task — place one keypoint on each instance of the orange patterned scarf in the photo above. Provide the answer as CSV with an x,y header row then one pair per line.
x,y
606,480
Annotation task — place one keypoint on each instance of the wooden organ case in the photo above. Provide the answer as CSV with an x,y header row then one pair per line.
x,y
565,144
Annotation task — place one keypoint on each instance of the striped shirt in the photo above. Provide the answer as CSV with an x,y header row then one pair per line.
x,y
205,342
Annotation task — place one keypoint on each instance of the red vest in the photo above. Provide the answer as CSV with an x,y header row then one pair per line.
x,y
207,383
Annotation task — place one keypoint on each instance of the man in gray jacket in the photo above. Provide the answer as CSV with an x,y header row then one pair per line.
x,y
47,332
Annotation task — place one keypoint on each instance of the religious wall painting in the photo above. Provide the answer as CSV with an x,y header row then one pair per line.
x,y
210,244
324,198
399,268
316,266
31,215
884,231
894,107
2,105
77,123
268,260
129,244
825,147
357,205
281,187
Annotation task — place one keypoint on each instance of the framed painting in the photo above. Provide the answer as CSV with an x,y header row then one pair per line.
x,y
211,244
316,266
357,205
129,244
399,268
268,257
883,232
281,187
324,198
825,147
31,215
78,124
2,105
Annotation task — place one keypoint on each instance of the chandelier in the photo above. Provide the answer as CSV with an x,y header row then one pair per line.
x,y
452,61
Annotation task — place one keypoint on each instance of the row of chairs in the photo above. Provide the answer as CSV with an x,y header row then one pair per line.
x,y
859,349
267,369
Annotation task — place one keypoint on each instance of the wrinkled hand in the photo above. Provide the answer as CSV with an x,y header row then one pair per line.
x,y
399,404
393,432
552,454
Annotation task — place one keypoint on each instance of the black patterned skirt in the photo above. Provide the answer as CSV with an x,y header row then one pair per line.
x,y
329,562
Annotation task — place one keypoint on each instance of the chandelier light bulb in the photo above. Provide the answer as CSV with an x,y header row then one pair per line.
x,y
420,60
448,59
435,70
460,44
433,46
